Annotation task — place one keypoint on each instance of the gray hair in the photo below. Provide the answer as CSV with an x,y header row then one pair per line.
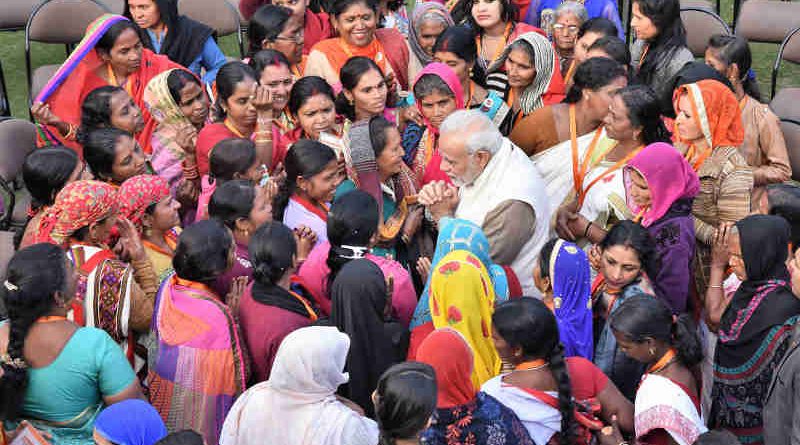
x,y
476,129
574,8
431,83
431,16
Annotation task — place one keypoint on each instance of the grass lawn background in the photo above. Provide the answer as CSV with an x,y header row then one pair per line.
x,y
12,57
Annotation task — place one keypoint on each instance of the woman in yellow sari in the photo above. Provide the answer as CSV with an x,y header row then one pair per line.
x,y
462,298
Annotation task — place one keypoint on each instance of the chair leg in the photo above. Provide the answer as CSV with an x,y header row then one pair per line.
x,y
5,222
629,16
737,5
5,103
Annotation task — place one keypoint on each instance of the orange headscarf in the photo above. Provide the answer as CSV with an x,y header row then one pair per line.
x,y
716,112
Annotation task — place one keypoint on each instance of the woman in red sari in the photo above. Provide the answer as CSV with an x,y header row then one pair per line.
x,y
109,54
357,23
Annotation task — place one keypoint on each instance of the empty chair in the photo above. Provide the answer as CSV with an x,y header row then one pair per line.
x,y
220,15
56,21
17,139
14,14
701,23
767,21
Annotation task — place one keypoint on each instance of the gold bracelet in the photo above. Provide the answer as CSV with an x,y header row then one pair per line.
x,y
715,286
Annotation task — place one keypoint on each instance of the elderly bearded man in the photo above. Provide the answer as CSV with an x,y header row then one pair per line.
x,y
499,189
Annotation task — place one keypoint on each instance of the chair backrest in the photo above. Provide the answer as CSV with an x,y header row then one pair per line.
x,y
61,21
701,24
220,15
115,6
791,134
767,20
14,14
789,51
17,139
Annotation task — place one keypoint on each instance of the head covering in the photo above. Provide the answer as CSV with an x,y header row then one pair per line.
x,y
420,11
764,300
358,298
669,178
462,298
136,194
364,173
78,204
185,37
447,75
716,111
764,240
162,106
572,293
298,404
544,60
131,422
449,354
460,234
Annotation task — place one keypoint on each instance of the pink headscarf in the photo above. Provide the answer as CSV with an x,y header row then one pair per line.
x,y
445,73
669,177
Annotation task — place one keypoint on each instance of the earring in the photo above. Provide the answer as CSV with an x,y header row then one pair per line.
x,y
352,102
652,352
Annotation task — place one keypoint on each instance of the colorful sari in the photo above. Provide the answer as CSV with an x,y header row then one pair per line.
x,y
460,234
572,303
462,297
167,155
464,415
423,153
663,404
198,366
78,76
754,331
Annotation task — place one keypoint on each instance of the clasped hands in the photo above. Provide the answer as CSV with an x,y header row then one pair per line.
x,y
440,198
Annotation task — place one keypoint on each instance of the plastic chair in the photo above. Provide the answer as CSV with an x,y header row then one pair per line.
x,y
56,21
767,21
17,139
221,16
14,14
790,52
701,24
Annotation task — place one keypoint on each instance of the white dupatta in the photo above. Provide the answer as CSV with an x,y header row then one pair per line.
x,y
662,404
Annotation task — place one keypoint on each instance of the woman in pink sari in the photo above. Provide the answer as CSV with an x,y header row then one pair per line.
x,y
351,224
197,368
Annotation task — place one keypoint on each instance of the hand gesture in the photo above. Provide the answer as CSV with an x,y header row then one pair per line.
x,y
565,219
306,239
719,247
410,114
440,198
186,138
594,257
261,99
611,435
130,242
424,267
42,114
234,297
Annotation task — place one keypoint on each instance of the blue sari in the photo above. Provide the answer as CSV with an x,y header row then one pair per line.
x,y
572,298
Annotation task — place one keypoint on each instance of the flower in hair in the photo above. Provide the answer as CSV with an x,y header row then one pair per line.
x,y
16,363
11,286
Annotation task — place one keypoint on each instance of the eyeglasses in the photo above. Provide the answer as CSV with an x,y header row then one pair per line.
x,y
571,29
297,38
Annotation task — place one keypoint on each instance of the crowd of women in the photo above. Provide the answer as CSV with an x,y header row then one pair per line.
x,y
247,252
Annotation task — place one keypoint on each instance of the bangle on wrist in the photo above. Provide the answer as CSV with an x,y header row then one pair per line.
x,y
715,286
586,231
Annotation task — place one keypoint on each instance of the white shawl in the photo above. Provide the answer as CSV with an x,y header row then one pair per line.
x,y
540,419
510,175
298,405
662,404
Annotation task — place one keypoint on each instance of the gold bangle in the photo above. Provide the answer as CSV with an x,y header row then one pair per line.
x,y
263,141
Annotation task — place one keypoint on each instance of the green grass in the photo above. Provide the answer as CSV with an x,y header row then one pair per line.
x,y
12,56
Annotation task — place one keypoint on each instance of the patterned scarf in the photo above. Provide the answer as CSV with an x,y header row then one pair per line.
x,y
544,59
78,204
138,193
